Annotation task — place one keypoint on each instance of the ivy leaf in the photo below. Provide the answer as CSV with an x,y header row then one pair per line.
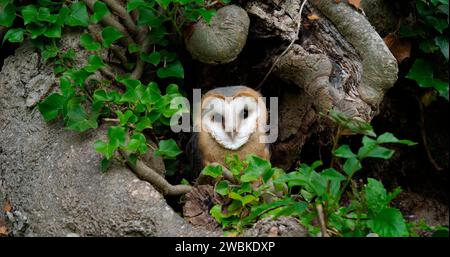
x,y
174,69
53,31
29,14
164,3
7,13
104,148
78,15
110,35
442,42
100,10
94,63
388,222
212,171
104,164
14,35
51,107
88,42
117,135
133,4
75,116
153,58
168,149
44,14
222,188
133,48
207,14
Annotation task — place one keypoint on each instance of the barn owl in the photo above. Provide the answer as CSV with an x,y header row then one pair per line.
x,y
231,121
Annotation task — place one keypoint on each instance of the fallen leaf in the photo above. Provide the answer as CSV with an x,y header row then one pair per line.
x,y
337,1
355,3
313,17
400,48
7,207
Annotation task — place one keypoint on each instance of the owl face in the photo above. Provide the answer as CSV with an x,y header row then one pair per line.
x,y
231,119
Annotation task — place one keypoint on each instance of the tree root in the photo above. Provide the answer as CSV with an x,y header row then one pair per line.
x,y
146,173
123,14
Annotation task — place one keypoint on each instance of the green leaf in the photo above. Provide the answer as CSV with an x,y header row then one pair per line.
x,y
153,58
36,29
376,195
207,14
29,14
248,199
332,174
148,17
78,15
174,69
344,152
212,171
105,165
133,4
421,72
216,213
133,48
117,136
388,222
100,10
168,149
7,13
45,15
106,149
14,35
390,138
124,117
351,166
143,123
94,63
50,51
51,107
88,42
53,31
222,188
110,35
164,3
66,86
75,116
442,42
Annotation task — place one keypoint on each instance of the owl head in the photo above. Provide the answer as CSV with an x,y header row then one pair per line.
x,y
231,115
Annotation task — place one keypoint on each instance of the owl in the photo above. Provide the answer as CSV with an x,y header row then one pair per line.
x,y
232,122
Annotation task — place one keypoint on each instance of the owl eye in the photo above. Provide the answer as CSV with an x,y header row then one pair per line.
x,y
217,117
244,113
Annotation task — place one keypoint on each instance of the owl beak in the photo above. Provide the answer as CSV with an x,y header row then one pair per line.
x,y
232,134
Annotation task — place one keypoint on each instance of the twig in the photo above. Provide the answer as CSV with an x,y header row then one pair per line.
x,y
323,224
288,48
148,174
122,13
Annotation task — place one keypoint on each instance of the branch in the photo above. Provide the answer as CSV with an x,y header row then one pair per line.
x,y
110,20
148,174
122,12
299,23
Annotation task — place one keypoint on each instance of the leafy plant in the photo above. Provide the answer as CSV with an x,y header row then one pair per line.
x,y
431,30
261,190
